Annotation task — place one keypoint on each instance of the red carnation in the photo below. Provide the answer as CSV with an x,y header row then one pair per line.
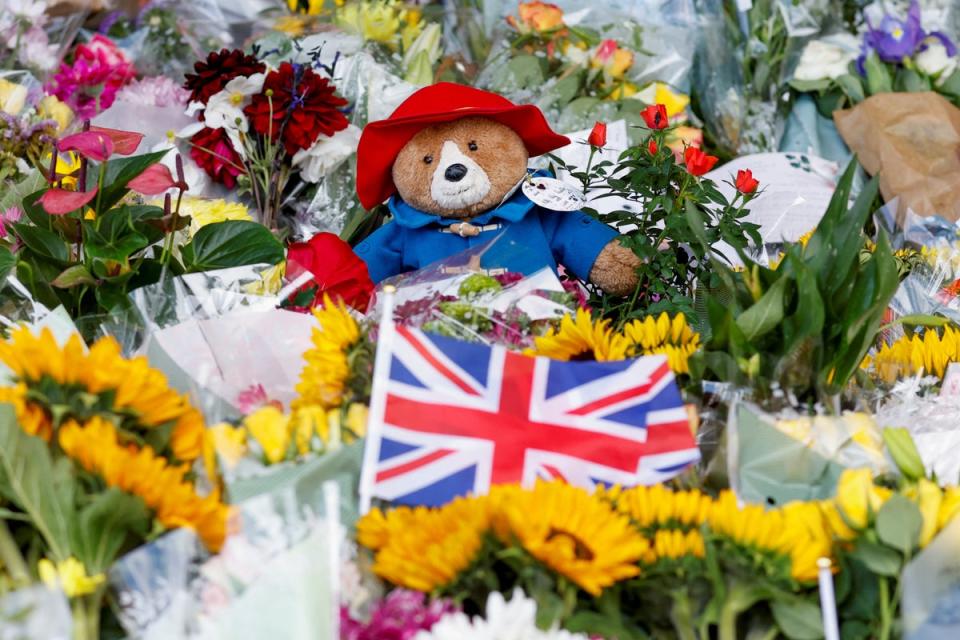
x,y
746,183
336,269
698,162
655,116
213,74
212,151
296,105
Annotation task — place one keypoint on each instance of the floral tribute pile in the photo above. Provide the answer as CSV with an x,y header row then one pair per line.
x,y
188,341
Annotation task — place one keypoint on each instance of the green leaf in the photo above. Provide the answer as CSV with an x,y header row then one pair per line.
x,y
525,71
232,243
951,86
13,195
39,486
113,236
120,171
852,86
798,619
910,81
73,276
104,526
7,262
878,76
899,523
42,242
879,559
766,314
809,86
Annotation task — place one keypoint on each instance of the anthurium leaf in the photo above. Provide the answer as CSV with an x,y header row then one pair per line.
x,y
42,242
877,558
104,526
113,236
232,243
73,276
7,262
899,523
798,619
42,488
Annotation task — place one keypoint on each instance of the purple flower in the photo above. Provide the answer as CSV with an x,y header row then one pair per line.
x,y
895,39
399,616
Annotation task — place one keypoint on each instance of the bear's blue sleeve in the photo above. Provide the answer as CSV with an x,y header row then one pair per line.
x,y
576,239
381,250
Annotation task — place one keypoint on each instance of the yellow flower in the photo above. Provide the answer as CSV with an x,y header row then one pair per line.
x,y
12,97
324,376
312,8
270,282
141,472
136,389
425,549
581,337
271,428
31,417
672,338
570,531
949,506
203,212
52,109
661,93
612,58
229,442
858,498
377,20
357,415
68,164
797,531
624,90
674,544
682,137
658,506
290,25
537,17
70,575
908,355
928,497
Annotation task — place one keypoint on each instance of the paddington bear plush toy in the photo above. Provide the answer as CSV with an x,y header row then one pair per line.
x,y
450,160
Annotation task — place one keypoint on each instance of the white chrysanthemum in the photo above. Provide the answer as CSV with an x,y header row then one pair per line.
x,y
513,620
326,154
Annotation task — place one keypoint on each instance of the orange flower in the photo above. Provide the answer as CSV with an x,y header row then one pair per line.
x,y
141,472
614,60
537,17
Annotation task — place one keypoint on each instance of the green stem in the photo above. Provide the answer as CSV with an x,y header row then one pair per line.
x,y
681,615
11,557
100,180
886,615
86,616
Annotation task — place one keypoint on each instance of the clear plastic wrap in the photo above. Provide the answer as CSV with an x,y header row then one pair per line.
x,y
35,613
467,296
284,551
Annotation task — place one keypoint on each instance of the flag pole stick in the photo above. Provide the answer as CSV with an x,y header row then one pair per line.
x,y
828,602
381,371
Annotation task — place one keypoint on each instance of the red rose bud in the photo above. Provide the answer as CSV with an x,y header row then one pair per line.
x,y
698,163
598,136
655,116
652,147
746,183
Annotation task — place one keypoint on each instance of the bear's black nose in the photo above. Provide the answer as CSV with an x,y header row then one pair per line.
x,y
455,172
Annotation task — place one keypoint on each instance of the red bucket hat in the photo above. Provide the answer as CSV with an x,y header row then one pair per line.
x,y
382,140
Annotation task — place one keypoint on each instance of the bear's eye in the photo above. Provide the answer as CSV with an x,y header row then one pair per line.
x,y
472,145
427,159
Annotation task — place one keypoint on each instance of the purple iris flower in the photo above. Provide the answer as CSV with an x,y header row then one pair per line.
x,y
897,39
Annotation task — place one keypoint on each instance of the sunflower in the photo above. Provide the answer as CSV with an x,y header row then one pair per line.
x,y
425,549
909,354
570,531
658,506
674,544
796,532
31,417
670,337
95,446
130,387
327,368
581,338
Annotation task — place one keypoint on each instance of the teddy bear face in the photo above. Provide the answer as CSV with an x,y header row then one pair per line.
x,y
460,169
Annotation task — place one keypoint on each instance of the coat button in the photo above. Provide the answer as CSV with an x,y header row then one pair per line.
x,y
585,220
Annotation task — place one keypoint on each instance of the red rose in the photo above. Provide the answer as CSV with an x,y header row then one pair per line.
x,y
336,269
698,163
598,136
746,183
655,116
212,151
652,147
297,106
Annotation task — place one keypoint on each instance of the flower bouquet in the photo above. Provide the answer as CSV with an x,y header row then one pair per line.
x,y
24,38
272,131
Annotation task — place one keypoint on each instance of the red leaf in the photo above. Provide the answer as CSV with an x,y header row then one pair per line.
x,y
90,144
58,202
153,181
124,142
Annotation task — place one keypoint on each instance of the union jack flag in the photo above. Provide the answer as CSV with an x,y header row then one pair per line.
x,y
450,418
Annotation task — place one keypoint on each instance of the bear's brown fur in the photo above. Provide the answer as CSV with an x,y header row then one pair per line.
x,y
501,155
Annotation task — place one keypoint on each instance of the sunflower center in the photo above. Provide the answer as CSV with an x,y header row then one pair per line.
x,y
580,549
584,356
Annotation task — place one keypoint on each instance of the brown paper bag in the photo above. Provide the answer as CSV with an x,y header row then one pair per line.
x,y
913,141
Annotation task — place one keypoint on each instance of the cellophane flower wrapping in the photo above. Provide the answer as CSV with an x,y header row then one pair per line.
x,y
283,550
467,296
36,612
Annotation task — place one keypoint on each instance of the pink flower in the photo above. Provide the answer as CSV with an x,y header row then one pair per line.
x,y
59,202
92,145
153,181
124,142
157,91
254,397
90,84
399,616
11,215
